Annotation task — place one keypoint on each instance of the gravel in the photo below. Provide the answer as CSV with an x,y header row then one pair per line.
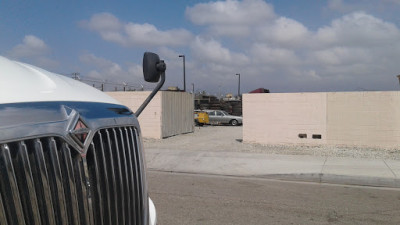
x,y
228,138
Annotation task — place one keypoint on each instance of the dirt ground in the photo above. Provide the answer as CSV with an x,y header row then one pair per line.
x,y
229,138
206,138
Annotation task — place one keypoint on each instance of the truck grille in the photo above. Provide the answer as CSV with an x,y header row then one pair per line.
x,y
45,181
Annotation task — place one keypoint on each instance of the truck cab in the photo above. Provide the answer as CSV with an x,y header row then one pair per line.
x,y
69,153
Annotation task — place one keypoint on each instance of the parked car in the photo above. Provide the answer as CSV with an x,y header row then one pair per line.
x,y
222,117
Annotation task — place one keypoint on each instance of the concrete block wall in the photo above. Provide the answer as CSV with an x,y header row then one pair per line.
x,y
364,119
280,118
340,118
168,113
150,118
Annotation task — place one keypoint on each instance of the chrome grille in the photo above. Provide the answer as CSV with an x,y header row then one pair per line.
x,y
45,181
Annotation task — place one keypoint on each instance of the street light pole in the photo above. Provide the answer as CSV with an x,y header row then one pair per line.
x,y
238,74
76,76
184,73
398,77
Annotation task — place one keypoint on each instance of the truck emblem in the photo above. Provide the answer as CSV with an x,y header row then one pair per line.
x,y
80,132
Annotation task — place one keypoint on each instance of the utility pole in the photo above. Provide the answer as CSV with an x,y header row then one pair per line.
x,y
194,102
238,74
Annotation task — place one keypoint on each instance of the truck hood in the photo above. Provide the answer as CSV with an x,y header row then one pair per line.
x,y
20,82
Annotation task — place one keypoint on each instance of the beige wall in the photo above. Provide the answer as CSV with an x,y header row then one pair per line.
x,y
150,118
341,118
280,118
167,114
364,119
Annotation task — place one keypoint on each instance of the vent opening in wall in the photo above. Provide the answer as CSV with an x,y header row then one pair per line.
x,y
317,136
302,135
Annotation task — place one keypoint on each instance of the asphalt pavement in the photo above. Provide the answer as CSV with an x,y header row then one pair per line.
x,y
183,198
336,170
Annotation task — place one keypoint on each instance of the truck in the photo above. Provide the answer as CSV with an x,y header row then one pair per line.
x,y
201,118
69,153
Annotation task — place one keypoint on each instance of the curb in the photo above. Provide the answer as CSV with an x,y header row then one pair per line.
x,y
344,171
309,177
337,179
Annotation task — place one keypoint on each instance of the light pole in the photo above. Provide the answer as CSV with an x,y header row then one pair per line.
x,y
398,77
184,73
76,76
238,74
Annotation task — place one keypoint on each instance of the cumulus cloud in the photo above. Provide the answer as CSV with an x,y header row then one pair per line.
x,y
147,34
33,50
268,49
264,54
103,22
231,17
104,69
247,12
131,34
355,52
352,47
136,70
358,29
213,51
340,56
99,62
30,46
285,32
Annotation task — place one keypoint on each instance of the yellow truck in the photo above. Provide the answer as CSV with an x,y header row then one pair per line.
x,y
201,118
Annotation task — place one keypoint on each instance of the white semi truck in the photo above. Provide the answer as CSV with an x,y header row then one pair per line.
x,y
70,154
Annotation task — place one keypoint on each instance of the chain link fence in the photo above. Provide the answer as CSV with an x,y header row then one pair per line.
x,y
105,85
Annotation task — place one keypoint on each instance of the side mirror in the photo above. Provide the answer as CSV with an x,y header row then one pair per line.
x,y
153,67
153,70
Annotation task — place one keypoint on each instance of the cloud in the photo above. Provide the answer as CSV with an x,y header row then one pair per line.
x,y
285,32
263,54
136,70
212,51
147,34
131,34
99,62
355,52
35,51
340,56
104,69
353,47
30,46
358,29
103,22
231,17
339,6
247,12
269,50
348,6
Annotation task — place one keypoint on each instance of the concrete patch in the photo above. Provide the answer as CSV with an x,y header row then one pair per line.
x,y
359,167
394,165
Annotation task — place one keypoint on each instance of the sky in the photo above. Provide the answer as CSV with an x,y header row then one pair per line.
x,y
280,45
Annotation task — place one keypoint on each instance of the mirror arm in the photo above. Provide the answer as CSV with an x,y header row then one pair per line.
x,y
148,99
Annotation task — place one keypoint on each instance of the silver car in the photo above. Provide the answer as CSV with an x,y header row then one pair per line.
x,y
222,117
